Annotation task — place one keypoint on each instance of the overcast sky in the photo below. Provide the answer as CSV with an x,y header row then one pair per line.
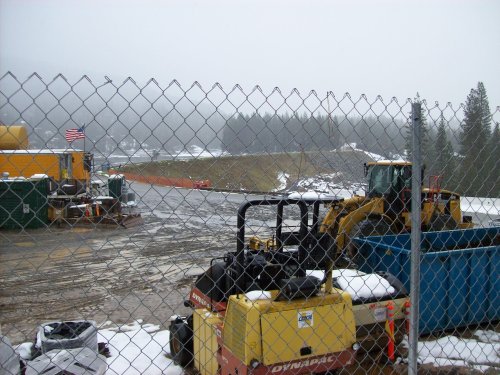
x,y
440,49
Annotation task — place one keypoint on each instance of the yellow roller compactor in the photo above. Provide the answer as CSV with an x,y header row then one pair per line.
x,y
261,310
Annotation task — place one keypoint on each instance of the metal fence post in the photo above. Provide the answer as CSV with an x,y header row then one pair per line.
x,y
416,122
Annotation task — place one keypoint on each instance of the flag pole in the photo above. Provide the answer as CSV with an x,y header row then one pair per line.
x,y
84,137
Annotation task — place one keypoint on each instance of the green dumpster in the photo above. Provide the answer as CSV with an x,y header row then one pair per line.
x,y
23,203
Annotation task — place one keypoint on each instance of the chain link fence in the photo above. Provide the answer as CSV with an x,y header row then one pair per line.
x,y
152,229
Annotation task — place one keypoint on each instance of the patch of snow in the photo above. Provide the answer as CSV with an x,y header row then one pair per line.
x,y
255,295
451,350
342,192
48,328
358,284
38,342
316,273
332,185
487,336
194,151
318,184
327,186
321,182
138,349
283,179
347,272
375,157
24,350
310,195
488,206
353,147
39,176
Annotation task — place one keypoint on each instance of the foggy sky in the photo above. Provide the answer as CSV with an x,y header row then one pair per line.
x,y
440,49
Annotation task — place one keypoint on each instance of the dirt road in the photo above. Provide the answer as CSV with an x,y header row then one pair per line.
x,y
114,274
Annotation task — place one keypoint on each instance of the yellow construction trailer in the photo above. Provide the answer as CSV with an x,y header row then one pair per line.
x,y
58,164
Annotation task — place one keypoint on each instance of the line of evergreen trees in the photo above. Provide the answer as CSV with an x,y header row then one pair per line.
x,y
255,133
465,153
472,170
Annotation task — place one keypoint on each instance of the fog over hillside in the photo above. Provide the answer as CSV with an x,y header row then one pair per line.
x,y
117,117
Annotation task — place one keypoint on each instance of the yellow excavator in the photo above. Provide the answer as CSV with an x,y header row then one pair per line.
x,y
386,208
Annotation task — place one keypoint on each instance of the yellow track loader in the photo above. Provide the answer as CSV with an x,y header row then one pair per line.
x,y
386,208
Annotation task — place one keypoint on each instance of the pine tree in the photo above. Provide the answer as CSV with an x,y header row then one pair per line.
x,y
444,163
474,142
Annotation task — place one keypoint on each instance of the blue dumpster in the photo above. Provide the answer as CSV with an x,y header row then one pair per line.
x,y
459,273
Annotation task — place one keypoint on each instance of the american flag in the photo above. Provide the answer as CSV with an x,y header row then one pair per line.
x,y
72,134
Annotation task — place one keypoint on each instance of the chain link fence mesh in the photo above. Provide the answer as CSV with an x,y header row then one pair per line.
x,y
149,229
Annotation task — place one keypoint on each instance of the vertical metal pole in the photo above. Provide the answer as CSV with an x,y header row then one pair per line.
x,y
416,198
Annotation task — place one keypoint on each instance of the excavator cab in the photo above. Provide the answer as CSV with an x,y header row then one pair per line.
x,y
392,182
388,179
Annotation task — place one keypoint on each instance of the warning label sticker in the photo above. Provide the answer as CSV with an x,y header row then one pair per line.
x,y
305,319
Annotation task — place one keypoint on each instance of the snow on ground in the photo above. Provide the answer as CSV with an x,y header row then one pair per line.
x,y
283,179
479,354
140,348
322,186
375,157
137,349
488,206
194,151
